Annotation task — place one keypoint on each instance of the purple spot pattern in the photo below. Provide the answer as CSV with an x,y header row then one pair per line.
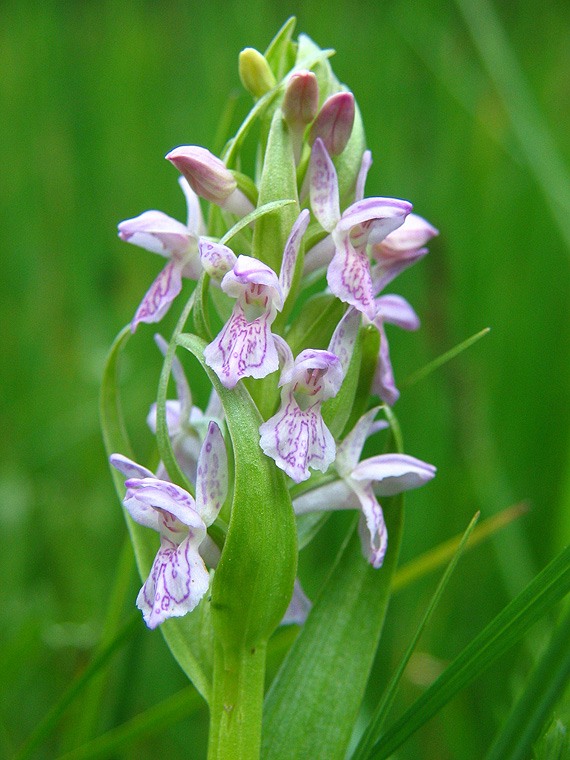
x,y
160,295
243,349
177,581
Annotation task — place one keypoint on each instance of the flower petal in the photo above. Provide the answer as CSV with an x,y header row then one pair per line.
x,y
168,498
344,337
372,528
207,175
160,295
394,473
299,606
177,581
372,219
327,498
212,475
173,417
413,234
129,468
388,270
396,311
157,232
334,122
319,256
348,276
349,451
324,187
298,439
383,383
250,271
362,174
216,259
243,348
292,251
195,219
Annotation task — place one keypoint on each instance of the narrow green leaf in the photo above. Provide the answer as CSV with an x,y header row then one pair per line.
x,y
265,208
435,558
153,721
46,726
548,588
277,51
544,687
374,728
422,373
313,703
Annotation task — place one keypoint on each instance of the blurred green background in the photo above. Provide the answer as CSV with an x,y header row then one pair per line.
x,y
467,111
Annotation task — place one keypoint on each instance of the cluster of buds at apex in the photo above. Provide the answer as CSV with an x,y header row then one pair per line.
x,y
210,178
255,73
334,122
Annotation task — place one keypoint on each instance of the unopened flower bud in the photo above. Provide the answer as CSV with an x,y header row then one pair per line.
x,y
301,100
334,122
255,73
207,175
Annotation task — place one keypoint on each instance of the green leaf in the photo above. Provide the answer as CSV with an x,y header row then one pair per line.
x,y
265,208
278,180
374,728
313,703
278,51
180,634
548,588
543,688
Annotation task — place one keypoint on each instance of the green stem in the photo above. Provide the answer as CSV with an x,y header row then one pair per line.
x,y
236,710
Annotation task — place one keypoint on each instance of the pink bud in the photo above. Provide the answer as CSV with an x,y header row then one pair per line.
x,y
334,122
207,175
301,100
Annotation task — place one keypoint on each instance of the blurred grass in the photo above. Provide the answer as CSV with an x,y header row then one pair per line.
x,y
92,96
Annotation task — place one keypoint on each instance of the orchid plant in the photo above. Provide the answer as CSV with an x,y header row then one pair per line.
x,y
286,321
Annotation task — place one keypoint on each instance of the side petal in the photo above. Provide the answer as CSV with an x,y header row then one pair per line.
x,y
298,439
299,606
243,349
160,295
292,251
383,383
344,337
349,451
129,468
156,232
394,473
168,498
216,259
413,234
372,219
396,311
211,475
348,276
362,174
195,219
387,270
177,581
323,187
372,528
327,498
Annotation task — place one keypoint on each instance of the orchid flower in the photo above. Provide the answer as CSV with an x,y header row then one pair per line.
x,y
366,221
187,424
178,578
296,437
390,474
245,347
178,242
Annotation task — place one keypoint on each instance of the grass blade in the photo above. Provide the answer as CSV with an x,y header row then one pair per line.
x,y
548,588
374,728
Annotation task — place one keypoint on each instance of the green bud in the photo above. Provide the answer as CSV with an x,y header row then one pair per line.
x,y
255,73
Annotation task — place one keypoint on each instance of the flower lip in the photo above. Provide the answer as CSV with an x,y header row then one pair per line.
x,y
248,271
312,366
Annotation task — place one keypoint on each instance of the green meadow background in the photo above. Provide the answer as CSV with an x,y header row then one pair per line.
x,y
466,107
